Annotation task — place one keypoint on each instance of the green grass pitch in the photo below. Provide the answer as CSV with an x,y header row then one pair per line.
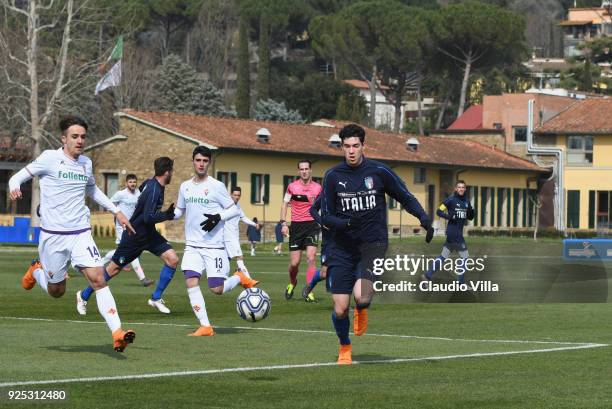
x,y
417,353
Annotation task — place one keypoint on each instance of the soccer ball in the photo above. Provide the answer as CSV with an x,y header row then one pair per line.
x,y
253,304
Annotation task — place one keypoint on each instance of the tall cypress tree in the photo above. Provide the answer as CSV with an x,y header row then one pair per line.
x,y
243,93
587,76
263,67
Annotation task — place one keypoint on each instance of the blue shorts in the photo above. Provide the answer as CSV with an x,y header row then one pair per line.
x,y
455,243
351,264
324,253
131,247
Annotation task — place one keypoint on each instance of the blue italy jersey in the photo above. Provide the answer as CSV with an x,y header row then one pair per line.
x,y
148,208
326,233
455,210
359,192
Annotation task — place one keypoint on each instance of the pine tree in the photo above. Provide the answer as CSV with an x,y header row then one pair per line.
x,y
270,110
178,89
587,76
342,110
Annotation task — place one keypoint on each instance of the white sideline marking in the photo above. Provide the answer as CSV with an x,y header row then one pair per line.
x,y
315,331
294,366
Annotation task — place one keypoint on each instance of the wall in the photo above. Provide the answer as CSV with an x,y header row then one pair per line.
x,y
586,178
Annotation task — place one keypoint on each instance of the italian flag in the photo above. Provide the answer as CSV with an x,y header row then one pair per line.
x,y
112,78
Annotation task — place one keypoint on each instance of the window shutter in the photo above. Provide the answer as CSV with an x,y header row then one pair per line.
x,y
253,188
266,198
233,180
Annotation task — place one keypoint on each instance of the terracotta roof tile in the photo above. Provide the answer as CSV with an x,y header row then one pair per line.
x,y
362,84
592,115
230,133
471,119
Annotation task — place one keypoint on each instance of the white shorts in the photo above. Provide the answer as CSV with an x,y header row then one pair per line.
x,y
233,248
56,250
213,261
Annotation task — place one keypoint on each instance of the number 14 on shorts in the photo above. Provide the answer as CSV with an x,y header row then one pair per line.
x,y
93,252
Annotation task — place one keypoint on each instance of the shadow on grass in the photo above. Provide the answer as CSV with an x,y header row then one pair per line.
x,y
104,349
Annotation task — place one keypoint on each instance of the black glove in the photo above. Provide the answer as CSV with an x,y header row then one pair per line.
x,y
426,224
211,222
170,212
354,223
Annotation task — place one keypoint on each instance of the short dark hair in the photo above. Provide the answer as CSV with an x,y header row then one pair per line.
x,y
460,181
305,161
202,150
162,164
67,121
352,130
236,189
130,176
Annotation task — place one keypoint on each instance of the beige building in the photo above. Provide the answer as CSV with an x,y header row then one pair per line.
x,y
261,158
583,132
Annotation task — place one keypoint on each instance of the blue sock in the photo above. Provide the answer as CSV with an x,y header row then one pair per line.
x,y
315,278
342,328
437,262
461,277
86,293
165,276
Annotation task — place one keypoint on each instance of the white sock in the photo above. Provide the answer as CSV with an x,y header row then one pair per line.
x,y
230,283
41,279
108,256
198,305
138,269
108,308
243,268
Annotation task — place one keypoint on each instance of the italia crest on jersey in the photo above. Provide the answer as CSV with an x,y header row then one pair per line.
x,y
368,182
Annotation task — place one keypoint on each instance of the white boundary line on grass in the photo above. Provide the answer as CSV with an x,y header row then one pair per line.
x,y
316,331
294,366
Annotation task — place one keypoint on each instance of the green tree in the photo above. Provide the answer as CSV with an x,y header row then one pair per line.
x,y
178,89
587,77
315,96
243,91
350,36
263,67
269,17
270,110
166,17
478,35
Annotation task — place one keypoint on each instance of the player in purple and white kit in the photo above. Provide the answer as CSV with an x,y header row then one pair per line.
x,y
66,177
206,205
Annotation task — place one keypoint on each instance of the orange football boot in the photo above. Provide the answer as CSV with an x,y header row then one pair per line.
x,y
245,281
345,355
203,332
121,339
28,281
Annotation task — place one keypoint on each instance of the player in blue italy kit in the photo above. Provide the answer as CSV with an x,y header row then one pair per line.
x,y
457,209
146,215
353,205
